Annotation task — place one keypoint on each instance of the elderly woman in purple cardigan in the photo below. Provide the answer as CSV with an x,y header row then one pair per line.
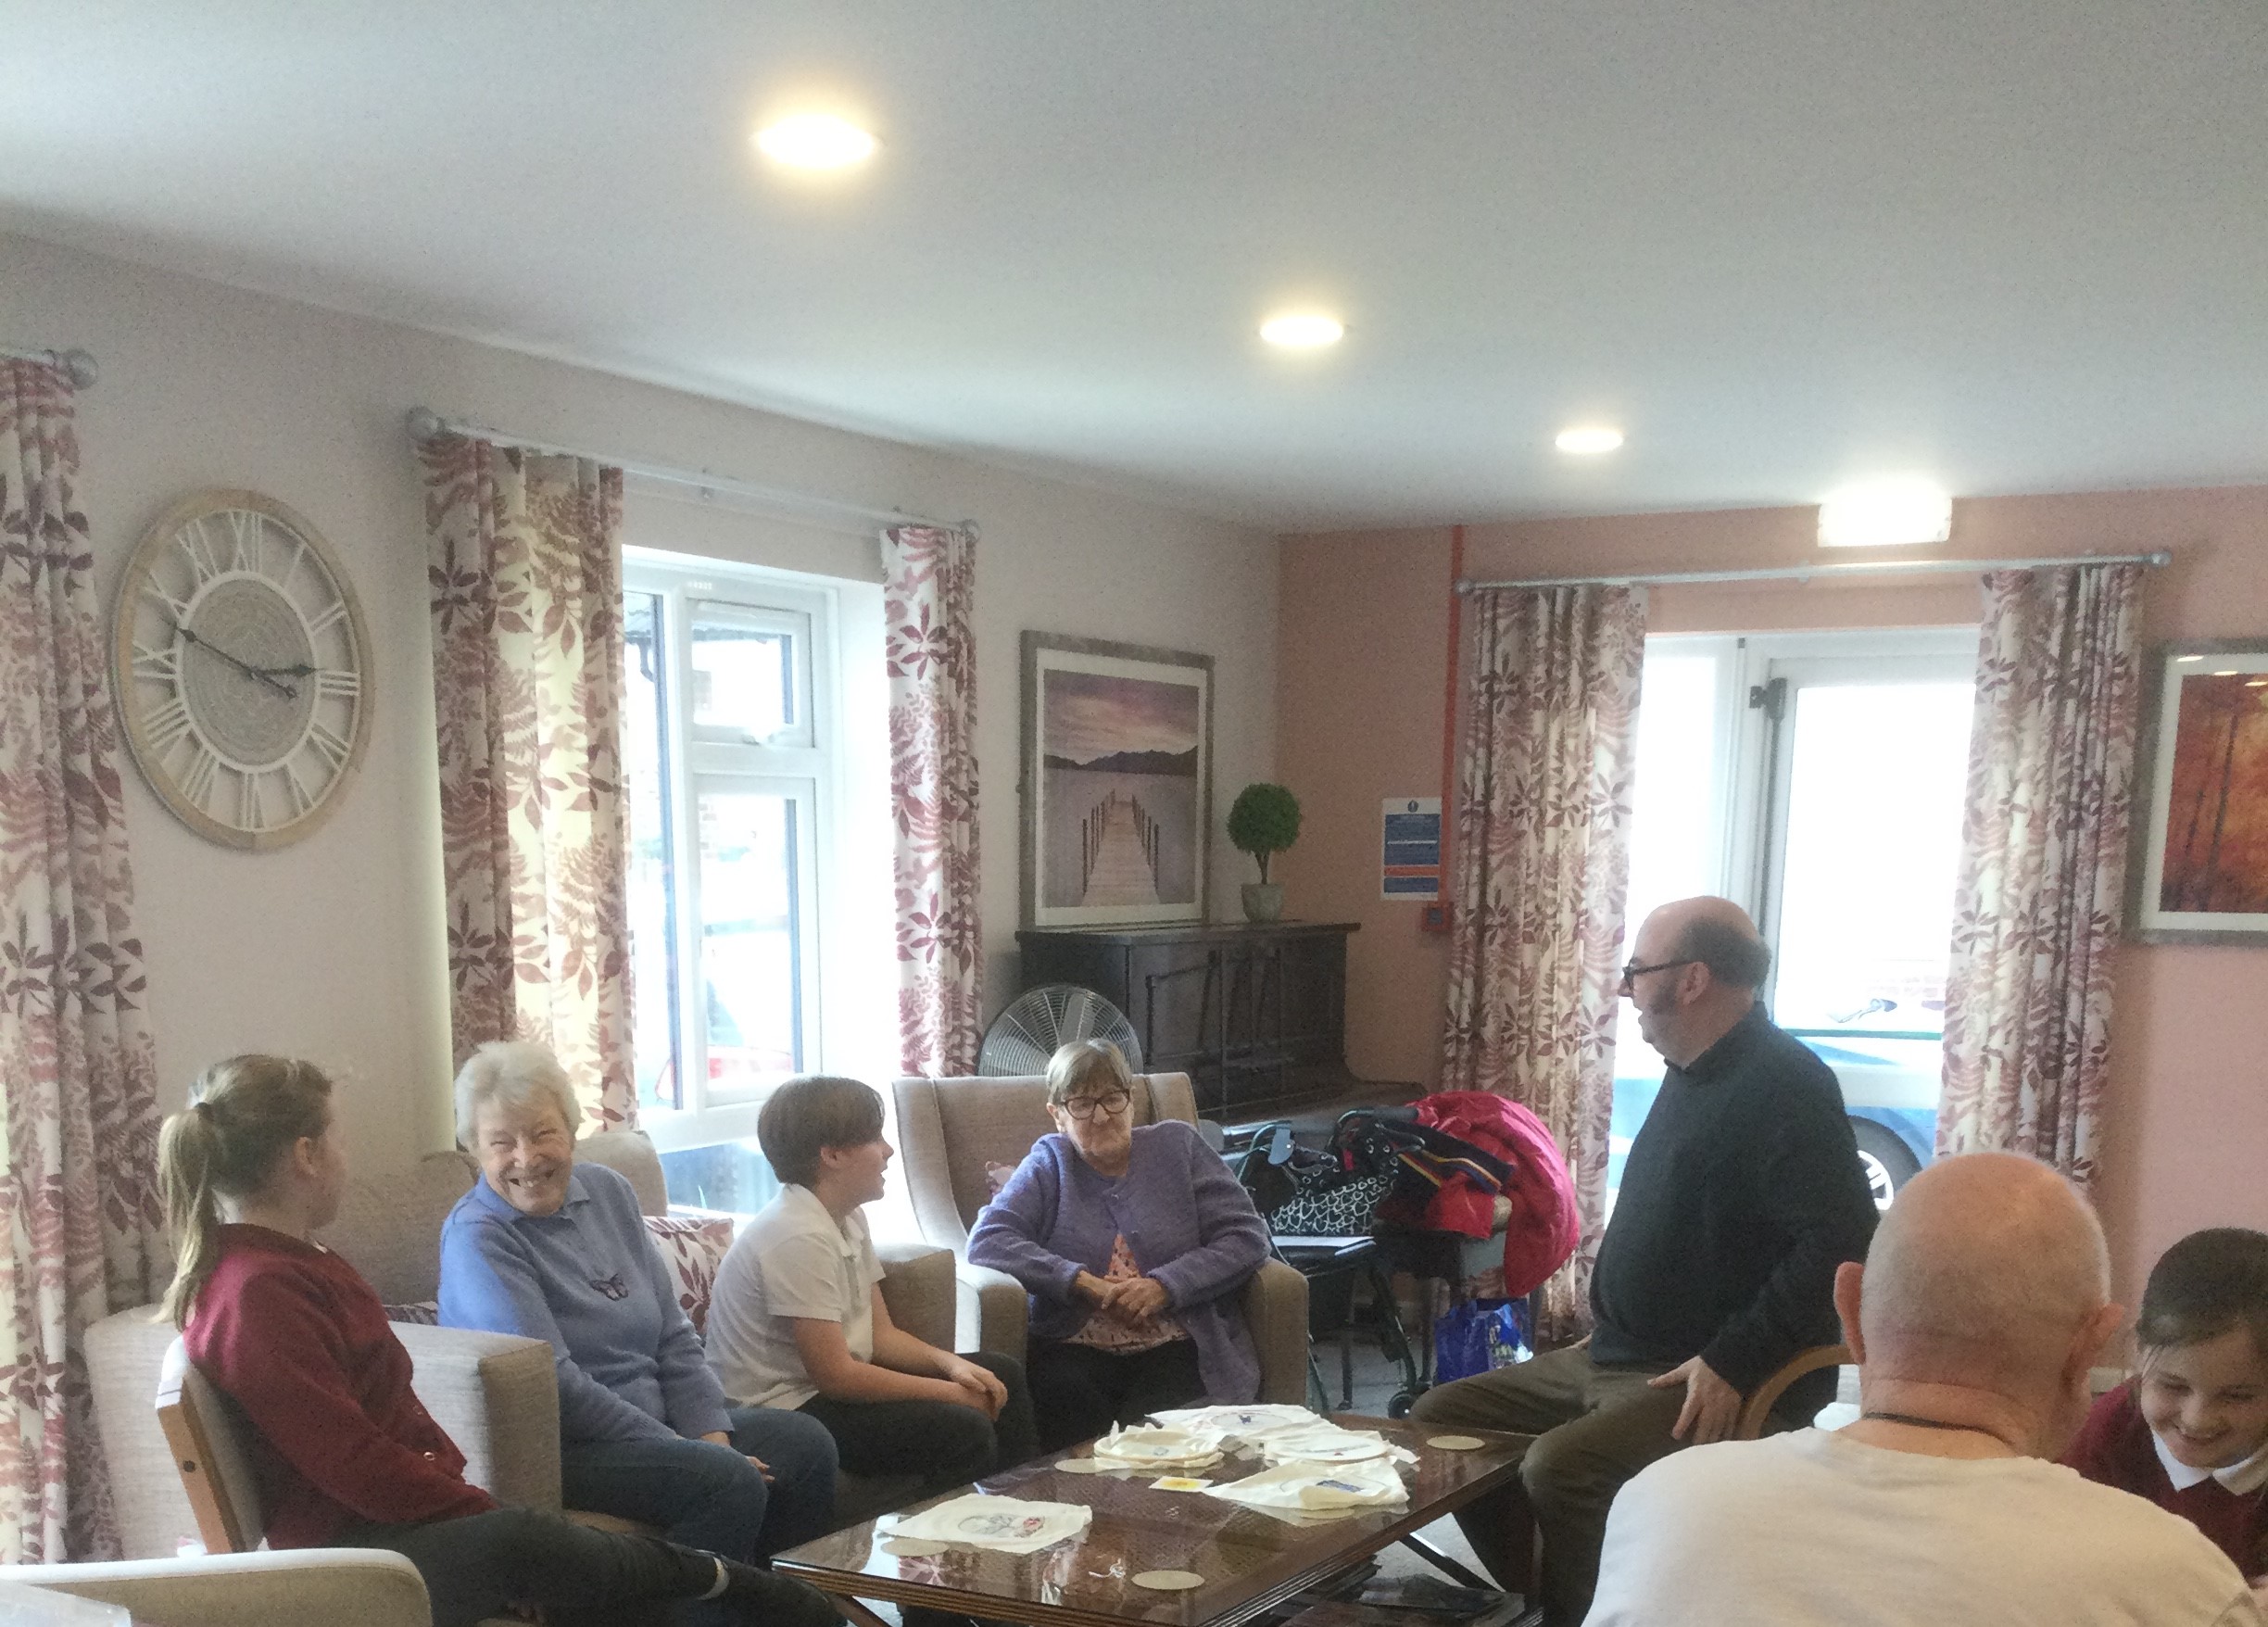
x,y
1132,1244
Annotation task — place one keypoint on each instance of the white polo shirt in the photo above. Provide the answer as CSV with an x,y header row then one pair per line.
x,y
792,1262
1811,1527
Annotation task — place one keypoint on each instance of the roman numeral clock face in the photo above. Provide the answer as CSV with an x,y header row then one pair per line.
x,y
240,659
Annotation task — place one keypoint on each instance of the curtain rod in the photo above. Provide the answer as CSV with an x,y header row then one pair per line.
x,y
1806,573
79,365
426,425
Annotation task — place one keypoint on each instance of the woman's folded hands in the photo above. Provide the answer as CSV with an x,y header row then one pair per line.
x,y
1133,1299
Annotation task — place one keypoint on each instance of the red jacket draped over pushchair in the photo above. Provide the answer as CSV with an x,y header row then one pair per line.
x,y
1541,1225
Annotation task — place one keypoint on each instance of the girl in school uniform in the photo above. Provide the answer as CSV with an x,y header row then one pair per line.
x,y
2189,1431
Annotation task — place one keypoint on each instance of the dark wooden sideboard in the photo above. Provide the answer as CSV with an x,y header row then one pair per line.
x,y
1254,1014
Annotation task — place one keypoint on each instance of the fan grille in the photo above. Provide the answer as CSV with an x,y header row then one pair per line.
x,y
1039,1022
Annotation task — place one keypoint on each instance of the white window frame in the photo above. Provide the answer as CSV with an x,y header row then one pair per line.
x,y
802,760
1746,807
1922,656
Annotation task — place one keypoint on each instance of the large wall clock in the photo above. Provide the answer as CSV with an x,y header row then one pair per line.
x,y
242,668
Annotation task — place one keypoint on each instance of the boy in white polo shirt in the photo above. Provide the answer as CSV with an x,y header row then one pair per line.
x,y
796,1320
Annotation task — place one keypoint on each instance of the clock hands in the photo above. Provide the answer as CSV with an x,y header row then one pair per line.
x,y
249,671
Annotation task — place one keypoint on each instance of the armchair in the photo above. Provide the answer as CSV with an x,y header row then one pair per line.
x,y
211,1455
951,1128
340,1587
493,1393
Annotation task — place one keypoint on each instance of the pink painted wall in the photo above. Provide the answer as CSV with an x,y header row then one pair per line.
x,y
1362,660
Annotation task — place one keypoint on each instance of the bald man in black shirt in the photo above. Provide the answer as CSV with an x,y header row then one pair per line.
x,y
1741,1195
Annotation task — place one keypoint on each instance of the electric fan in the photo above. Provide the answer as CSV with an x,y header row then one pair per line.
x,y
1025,1036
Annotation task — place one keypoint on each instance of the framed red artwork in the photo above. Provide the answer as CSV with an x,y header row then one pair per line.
x,y
2201,871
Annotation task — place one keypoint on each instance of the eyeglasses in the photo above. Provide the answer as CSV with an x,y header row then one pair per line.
x,y
1084,1108
1635,970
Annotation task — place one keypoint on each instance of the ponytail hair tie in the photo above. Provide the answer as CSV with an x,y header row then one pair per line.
x,y
204,1110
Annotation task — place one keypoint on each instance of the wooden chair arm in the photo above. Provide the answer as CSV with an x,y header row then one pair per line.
x,y
210,1460
1760,1402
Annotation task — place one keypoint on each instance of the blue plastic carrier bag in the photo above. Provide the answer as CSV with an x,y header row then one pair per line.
x,y
1479,1336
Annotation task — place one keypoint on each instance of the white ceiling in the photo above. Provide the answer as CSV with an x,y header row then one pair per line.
x,y
2017,244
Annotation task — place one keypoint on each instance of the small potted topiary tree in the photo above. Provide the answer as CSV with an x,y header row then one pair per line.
x,y
1265,820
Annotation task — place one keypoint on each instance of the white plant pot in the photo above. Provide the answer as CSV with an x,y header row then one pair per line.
x,y
1263,900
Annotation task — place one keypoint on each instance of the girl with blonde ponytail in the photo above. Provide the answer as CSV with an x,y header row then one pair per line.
x,y
345,1454
267,1104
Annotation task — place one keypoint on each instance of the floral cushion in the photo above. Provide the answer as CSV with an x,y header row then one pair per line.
x,y
425,1313
692,1247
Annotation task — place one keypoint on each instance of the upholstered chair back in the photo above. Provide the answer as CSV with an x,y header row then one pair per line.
x,y
389,1227
949,1129
629,1154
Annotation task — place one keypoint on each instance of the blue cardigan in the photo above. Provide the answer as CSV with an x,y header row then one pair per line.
x,y
1188,1222
588,1282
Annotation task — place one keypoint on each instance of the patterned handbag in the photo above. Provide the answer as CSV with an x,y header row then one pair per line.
x,y
1338,1208
1302,1193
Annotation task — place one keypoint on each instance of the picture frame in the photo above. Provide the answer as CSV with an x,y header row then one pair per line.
x,y
2200,867
1116,791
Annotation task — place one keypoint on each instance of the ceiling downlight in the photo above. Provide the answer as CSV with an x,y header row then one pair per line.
x,y
1588,440
815,141
1303,329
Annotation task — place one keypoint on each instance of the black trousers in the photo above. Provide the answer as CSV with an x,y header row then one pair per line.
x,y
946,1444
477,1567
1079,1392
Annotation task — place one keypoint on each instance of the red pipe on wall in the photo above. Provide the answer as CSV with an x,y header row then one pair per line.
x,y
1449,702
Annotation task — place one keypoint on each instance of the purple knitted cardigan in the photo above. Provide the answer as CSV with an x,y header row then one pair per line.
x,y
1188,1222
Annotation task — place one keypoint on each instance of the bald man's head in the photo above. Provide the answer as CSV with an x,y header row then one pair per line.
x,y
1714,932
1982,1275
1702,962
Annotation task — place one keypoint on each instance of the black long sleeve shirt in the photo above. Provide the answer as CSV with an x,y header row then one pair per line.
x,y
1741,1195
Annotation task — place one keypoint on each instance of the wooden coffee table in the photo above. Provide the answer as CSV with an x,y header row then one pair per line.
x,y
1251,1560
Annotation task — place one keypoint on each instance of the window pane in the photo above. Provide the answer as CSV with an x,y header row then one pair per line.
x,y
1877,782
743,674
732,1176
1674,853
1873,843
749,924
1674,844
653,915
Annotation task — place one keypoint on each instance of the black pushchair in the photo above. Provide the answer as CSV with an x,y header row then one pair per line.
x,y
1323,1210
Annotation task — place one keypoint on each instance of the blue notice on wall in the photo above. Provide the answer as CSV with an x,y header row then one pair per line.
x,y
1410,849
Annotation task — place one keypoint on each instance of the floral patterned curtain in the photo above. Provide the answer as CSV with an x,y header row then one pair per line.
x,y
1542,870
79,1140
2043,865
928,607
525,570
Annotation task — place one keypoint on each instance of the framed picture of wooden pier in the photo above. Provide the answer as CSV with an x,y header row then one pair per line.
x,y
1118,784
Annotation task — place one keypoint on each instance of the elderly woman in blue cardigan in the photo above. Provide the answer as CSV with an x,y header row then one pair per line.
x,y
1132,1244
544,1248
